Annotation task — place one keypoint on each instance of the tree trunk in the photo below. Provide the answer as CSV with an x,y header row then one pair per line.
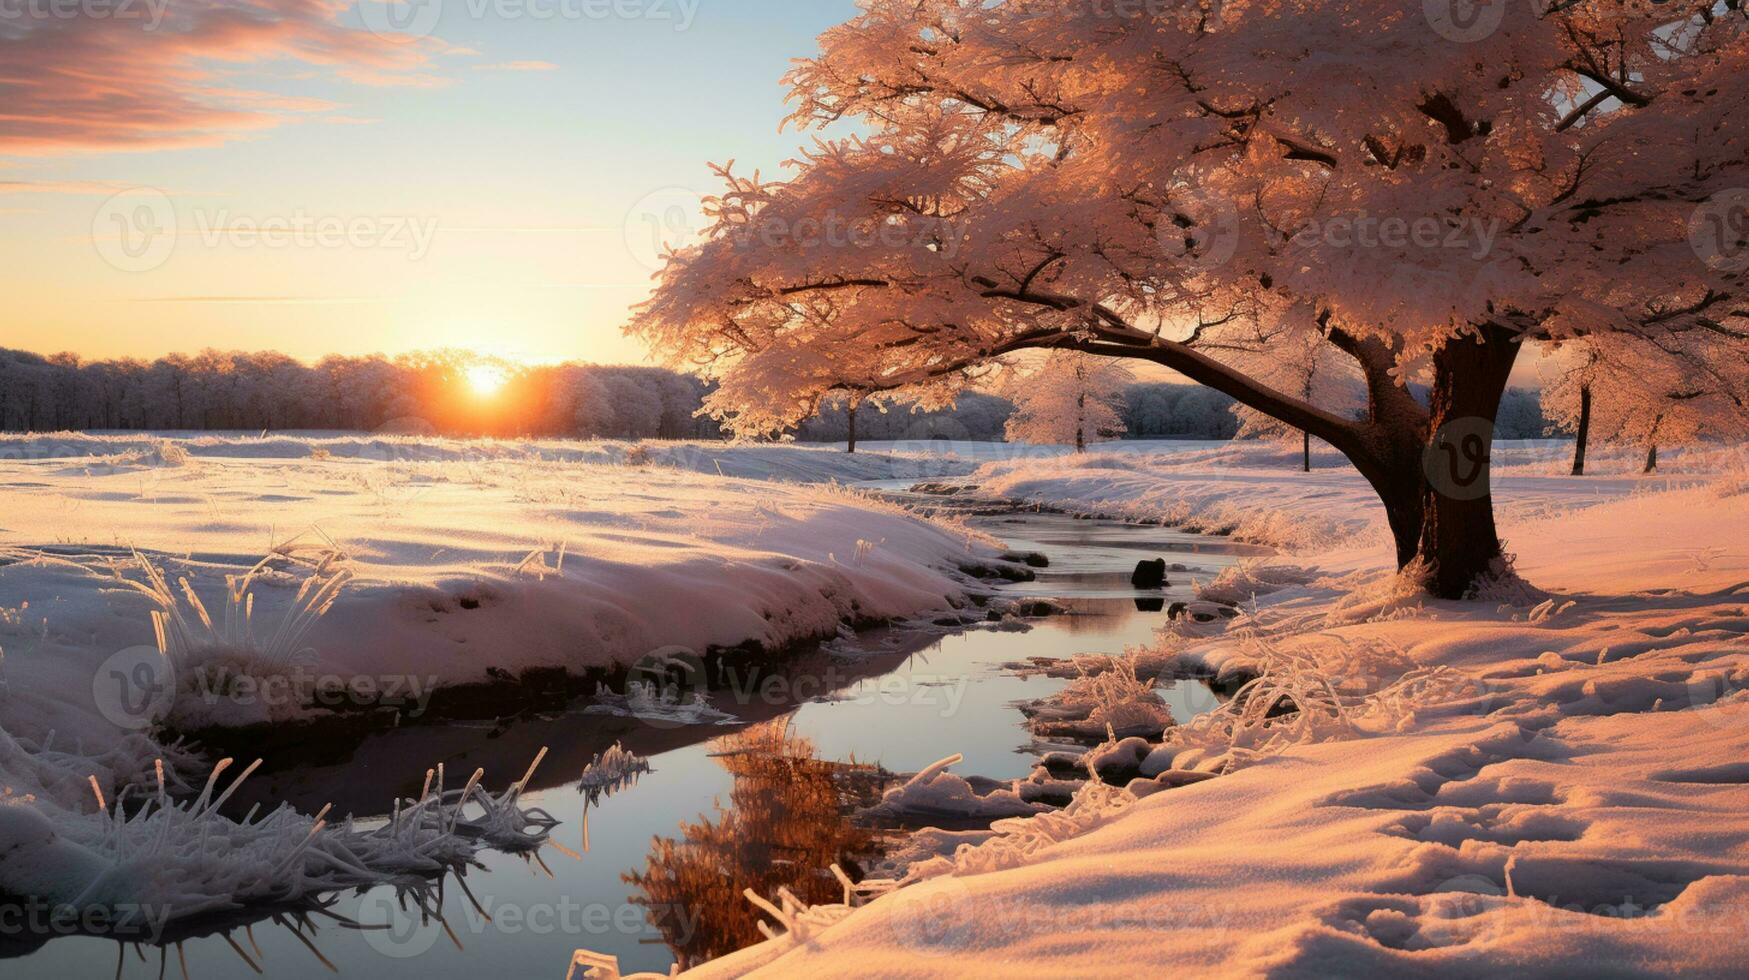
x,y
1429,466
1081,422
852,447
1584,430
1307,439
1652,459
1459,542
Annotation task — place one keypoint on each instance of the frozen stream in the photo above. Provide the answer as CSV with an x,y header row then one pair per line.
x,y
756,803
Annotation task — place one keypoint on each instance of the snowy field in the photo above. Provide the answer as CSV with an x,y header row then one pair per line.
x,y
232,581
436,562
1475,785
1539,782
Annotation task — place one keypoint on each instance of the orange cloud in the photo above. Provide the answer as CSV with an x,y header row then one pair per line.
x,y
159,79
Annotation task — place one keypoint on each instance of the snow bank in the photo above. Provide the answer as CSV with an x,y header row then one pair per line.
x,y
384,580
936,794
1409,787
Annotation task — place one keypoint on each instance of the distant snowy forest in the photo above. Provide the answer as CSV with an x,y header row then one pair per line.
x,y
426,392
429,392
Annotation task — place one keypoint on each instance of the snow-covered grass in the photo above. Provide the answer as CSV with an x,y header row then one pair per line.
x,y
162,858
1102,702
1550,784
937,794
133,592
447,563
611,770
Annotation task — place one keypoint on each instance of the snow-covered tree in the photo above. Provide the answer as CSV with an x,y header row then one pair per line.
x,y
1647,396
1424,194
1302,365
1568,395
1070,399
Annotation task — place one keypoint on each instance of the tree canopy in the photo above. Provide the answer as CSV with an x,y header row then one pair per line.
x,y
1423,193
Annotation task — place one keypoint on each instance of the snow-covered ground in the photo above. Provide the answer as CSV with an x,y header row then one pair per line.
x,y
790,463
446,562
1257,493
1529,782
1555,785
230,580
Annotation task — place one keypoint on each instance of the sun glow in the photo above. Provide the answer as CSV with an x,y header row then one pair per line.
x,y
486,380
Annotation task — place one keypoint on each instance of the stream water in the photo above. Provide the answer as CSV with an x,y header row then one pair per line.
x,y
757,803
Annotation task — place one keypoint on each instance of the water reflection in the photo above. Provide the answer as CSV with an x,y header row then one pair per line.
x,y
784,826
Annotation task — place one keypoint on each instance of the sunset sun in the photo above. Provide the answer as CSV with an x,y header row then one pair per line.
x,y
486,380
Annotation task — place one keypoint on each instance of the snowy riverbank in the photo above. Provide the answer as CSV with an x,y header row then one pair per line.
x,y
437,562
134,591
1521,784
1256,492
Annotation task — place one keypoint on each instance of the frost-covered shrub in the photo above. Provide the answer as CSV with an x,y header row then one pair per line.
x,y
1734,482
1325,688
215,660
146,847
1240,583
1104,701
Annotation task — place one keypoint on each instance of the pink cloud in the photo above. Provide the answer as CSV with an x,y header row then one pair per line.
x,y
89,83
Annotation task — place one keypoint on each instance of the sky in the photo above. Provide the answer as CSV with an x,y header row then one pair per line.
x,y
358,176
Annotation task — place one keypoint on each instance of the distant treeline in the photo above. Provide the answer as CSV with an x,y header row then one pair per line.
x,y
431,392
428,392
1521,416
1150,411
